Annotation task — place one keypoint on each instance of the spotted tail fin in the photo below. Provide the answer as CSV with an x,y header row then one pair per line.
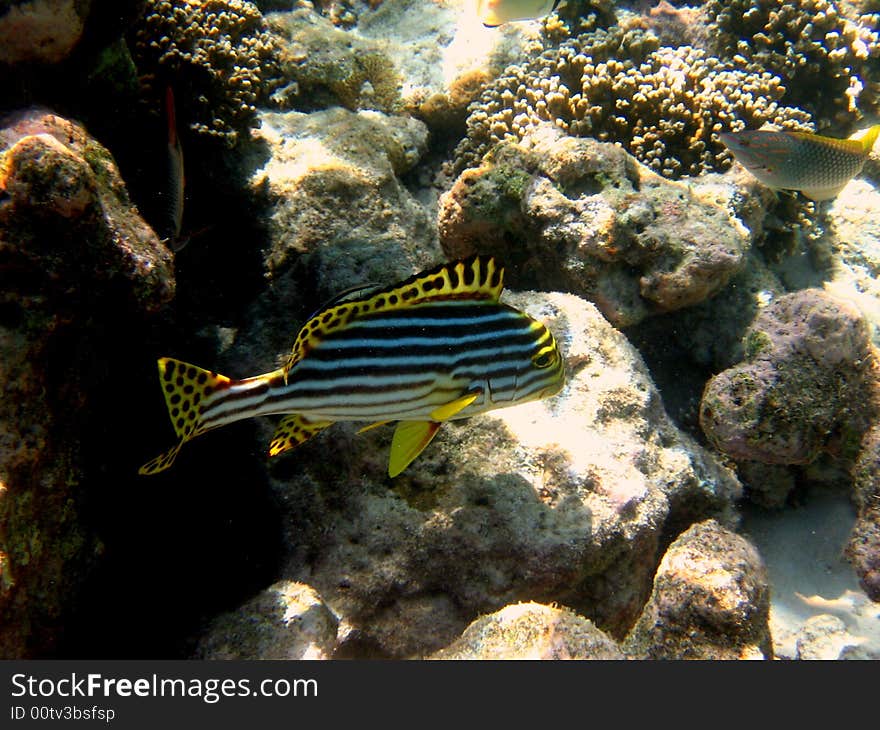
x,y
185,387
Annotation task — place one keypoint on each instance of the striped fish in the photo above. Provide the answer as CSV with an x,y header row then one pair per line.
x,y
819,167
436,347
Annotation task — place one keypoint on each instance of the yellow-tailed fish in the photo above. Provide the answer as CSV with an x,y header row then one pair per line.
x,y
493,13
435,347
817,166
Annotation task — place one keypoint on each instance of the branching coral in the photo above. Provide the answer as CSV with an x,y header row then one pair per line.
x,y
666,106
218,54
827,60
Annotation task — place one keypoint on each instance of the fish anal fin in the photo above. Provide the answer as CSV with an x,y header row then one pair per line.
x,y
819,194
161,462
410,439
450,410
292,431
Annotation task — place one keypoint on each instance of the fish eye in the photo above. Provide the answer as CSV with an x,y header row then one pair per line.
x,y
543,359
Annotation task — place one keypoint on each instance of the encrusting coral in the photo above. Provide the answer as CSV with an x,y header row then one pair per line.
x,y
328,66
219,56
665,105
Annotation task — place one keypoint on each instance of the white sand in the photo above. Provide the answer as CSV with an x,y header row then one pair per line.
x,y
803,550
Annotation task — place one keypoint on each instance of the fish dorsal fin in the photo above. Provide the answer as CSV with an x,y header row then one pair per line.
x,y
868,139
860,147
477,278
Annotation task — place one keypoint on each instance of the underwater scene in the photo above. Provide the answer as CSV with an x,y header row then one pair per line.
x,y
440,329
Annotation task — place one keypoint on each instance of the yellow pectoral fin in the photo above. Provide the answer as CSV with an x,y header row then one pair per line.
x,y
292,431
450,410
161,462
410,439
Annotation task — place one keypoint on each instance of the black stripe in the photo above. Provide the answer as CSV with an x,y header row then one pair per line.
x,y
326,351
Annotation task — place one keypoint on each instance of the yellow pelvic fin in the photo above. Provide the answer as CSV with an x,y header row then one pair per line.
x,y
292,431
444,413
161,462
410,439
372,426
478,278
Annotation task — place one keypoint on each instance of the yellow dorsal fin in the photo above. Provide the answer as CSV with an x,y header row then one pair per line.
x,y
860,145
410,439
450,410
477,278
292,431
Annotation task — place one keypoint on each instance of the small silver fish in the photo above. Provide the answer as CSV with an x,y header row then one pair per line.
x,y
817,166
493,13
176,180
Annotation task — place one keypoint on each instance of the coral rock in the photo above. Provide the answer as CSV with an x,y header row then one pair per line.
x,y
333,178
531,631
711,600
863,549
75,260
286,621
584,216
41,31
805,387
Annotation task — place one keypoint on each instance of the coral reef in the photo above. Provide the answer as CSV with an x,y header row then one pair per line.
x,y
828,62
664,105
711,600
583,216
531,631
75,259
286,621
805,387
218,55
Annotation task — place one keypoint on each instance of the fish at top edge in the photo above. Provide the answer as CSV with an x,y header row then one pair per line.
x,y
493,13
817,166
435,347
